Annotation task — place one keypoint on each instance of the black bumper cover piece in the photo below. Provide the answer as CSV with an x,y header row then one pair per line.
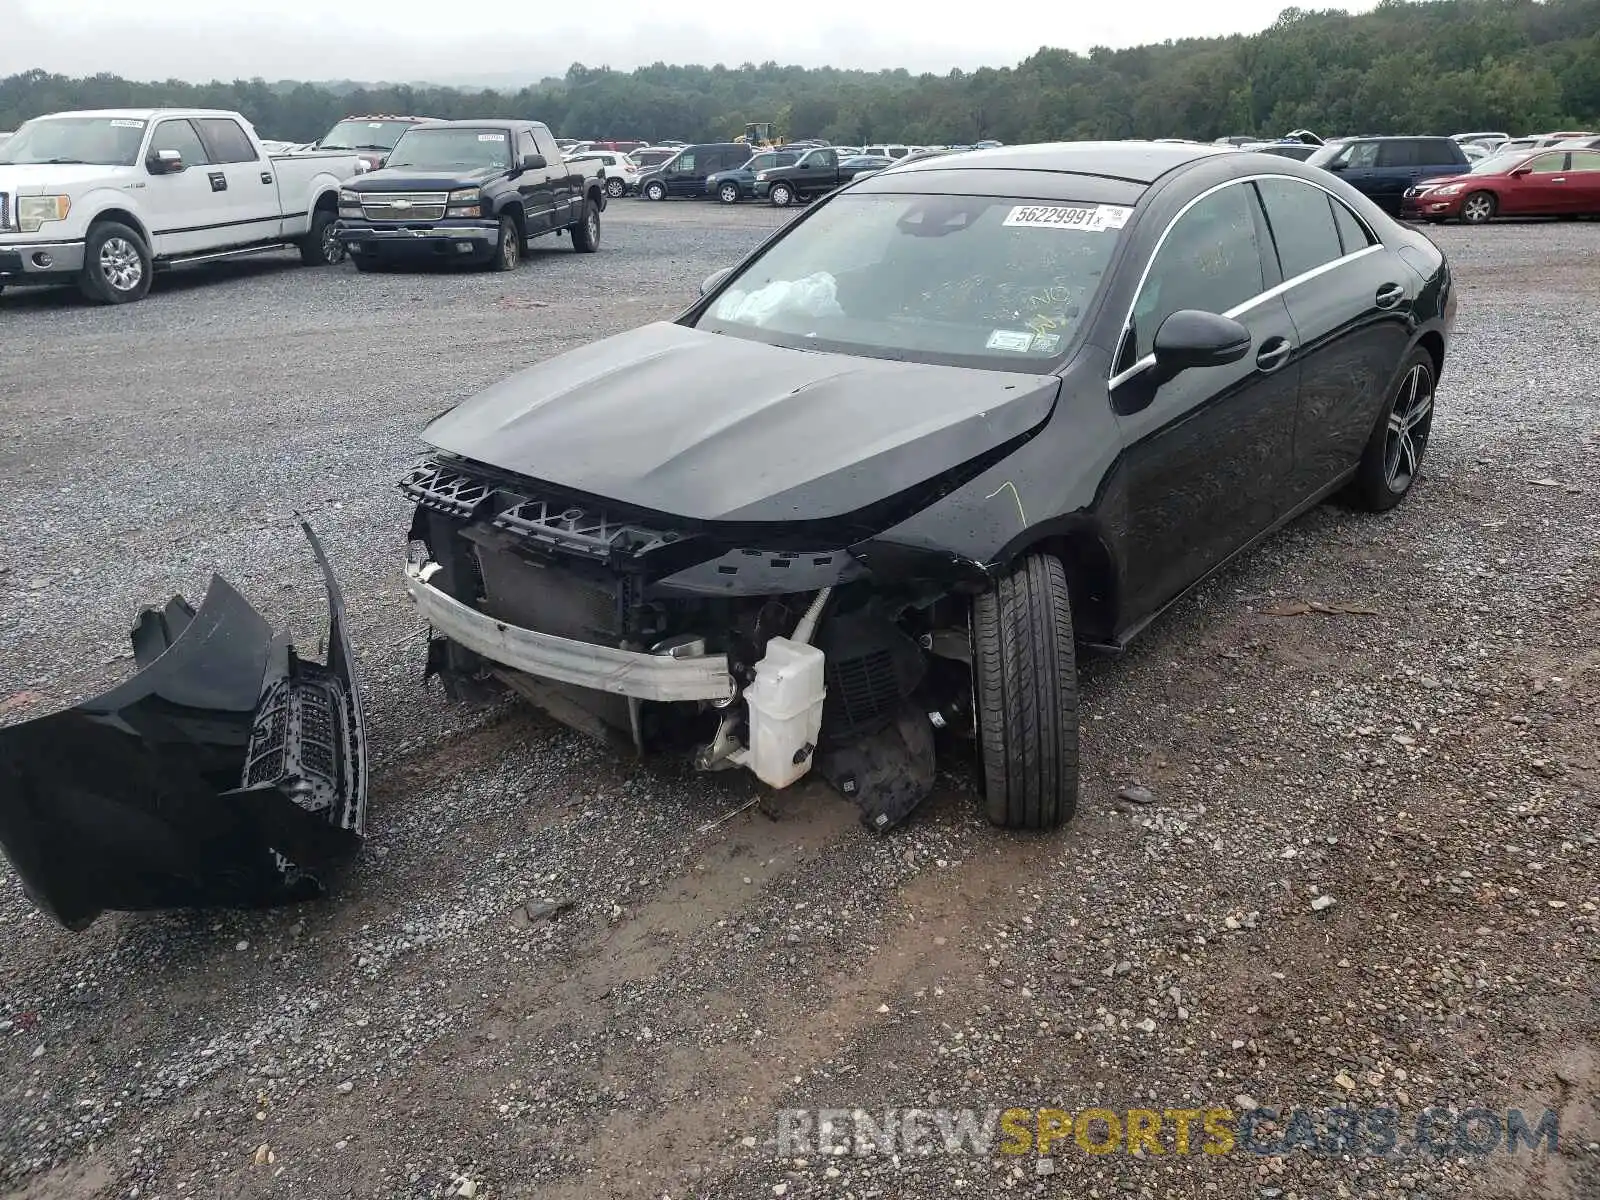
x,y
229,772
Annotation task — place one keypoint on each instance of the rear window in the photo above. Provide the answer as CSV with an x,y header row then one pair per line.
x,y
989,281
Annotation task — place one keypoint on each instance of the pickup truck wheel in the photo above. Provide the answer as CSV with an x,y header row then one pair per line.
x,y
728,193
1025,692
782,195
321,246
116,265
616,188
586,233
655,191
509,255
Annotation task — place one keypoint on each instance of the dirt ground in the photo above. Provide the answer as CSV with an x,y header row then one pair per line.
x,y
558,973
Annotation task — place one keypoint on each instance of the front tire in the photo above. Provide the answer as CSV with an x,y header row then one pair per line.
x,y
1479,208
508,254
655,191
321,246
728,193
586,233
1025,684
1393,456
782,195
116,265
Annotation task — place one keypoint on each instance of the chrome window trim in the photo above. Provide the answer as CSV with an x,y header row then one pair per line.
x,y
1276,290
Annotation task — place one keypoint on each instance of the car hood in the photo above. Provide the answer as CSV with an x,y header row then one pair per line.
x,y
407,179
43,179
1441,180
715,428
737,174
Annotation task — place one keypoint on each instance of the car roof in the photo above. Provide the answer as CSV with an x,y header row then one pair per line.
x,y
1129,162
142,114
489,123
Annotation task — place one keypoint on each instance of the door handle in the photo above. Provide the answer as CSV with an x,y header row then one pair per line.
x,y
1559,179
266,177
1274,353
1389,295
219,181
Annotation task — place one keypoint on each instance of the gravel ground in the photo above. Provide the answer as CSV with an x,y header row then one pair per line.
x,y
1429,767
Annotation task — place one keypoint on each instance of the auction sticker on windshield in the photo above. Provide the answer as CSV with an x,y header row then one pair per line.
x,y
1061,216
120,123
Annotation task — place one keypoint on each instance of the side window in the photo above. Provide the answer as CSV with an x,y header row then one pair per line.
x,y
1362,155
1210,260
1585,161
1401,153
1302,225
227,141
1549,164
545,145
525,144
826,159
685,164
1442,150
180,136
1353,235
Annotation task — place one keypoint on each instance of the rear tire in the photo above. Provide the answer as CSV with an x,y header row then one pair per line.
x,y
1025,683
321,246
116,265
1393,456
586,233
616,189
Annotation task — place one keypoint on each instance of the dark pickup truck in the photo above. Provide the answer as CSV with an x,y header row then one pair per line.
x,y
471,191
816,172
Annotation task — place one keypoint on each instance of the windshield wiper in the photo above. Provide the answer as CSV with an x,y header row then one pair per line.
x,y
364,146
55,162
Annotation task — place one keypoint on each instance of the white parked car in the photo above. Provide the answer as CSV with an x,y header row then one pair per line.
x,y
621,172
103,199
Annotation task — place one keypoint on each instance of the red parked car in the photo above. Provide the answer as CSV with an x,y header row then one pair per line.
x,y
1544,183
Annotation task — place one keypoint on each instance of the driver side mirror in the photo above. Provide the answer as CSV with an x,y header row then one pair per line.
x,y
1192,338
1519,172
164,162
712,281
531,162
1335,165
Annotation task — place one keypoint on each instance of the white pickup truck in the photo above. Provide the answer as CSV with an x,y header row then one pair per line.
x,y
103,199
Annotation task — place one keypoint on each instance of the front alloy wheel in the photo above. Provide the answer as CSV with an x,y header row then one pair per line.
x,y
616,189
510,252
728,193
1478,208
782,195
654,191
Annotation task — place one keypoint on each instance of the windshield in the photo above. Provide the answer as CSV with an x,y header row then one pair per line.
x,y
430,148
1498,164
106,141
364,135
986,281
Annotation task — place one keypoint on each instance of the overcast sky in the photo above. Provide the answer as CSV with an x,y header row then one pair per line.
x,y
415,40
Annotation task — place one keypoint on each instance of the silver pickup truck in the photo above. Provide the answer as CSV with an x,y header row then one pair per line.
x,y
104,199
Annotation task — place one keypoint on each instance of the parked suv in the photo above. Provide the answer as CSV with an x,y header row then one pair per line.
x,y
684,174
730,187
1385,167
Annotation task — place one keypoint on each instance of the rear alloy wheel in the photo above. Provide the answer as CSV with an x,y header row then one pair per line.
x,y
655,191
586,233
1025,685
1479,208
508,257
321,246
728,193
782,195
1393,457
616,189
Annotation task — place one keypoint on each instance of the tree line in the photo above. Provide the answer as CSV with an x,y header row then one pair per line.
x,y
1441,66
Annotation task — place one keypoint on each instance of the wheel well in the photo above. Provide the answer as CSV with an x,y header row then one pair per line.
x,y
1091,578
514,211
328,200
123,216
1433,343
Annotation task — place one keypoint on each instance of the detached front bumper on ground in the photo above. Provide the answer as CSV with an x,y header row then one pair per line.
x,y
228,772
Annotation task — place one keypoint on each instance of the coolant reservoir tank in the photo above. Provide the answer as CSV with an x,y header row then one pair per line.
x,y
785,712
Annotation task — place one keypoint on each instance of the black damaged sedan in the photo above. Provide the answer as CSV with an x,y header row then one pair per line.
x,y
959,424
